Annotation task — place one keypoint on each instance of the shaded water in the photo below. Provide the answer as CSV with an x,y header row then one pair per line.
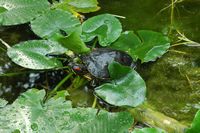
x,y
167,79
172,81
149,14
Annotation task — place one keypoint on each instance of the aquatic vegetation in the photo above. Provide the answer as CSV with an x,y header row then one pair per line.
x,y
64,38
29,113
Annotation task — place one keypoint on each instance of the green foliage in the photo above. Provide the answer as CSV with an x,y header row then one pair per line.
x,y
62,93
148,130
106,27
21,11
2,9
73,42
147,46
52,22
13,12
32,111
126,89
34,54
29,113
84,6
114,123
195,128
74,6
127,42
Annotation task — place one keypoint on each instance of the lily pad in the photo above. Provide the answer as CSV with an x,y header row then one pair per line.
x,y
21,11
146,46
29,113
74,43
106,27
53,22
112,123
127,88
34,54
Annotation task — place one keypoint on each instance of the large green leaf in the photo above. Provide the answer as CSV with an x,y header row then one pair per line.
x,y
29,113
84,6
53,22
114,123
148,130
147,46
74,43
126,90
128,42
195,127
21,11
106,27
34,54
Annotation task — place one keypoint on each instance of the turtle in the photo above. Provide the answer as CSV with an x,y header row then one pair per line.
x,y
97,61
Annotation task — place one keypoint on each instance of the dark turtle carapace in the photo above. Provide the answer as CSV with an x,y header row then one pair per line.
x,y
97,61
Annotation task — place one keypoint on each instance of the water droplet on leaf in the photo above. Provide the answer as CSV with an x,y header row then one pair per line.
x,y
34,127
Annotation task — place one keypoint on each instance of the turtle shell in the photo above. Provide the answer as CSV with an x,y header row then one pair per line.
x,y
98,60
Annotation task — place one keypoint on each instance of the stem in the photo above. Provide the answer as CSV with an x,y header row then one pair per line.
x,y
94,103
4,43
145,114
171,16
176,51
13,74
94,44
189,81
59,85
2,49
178,44
77,83
163,9
118,16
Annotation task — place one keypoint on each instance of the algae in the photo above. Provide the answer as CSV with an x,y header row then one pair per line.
x,y
173,83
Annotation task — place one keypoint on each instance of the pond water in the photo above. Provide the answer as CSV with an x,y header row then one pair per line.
x,y
172,81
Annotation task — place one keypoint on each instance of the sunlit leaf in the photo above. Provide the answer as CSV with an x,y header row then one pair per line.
x,y
148,130
30,113
54,22
34,54
146,46
195,128
127,89
106,27
21,11
114,123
